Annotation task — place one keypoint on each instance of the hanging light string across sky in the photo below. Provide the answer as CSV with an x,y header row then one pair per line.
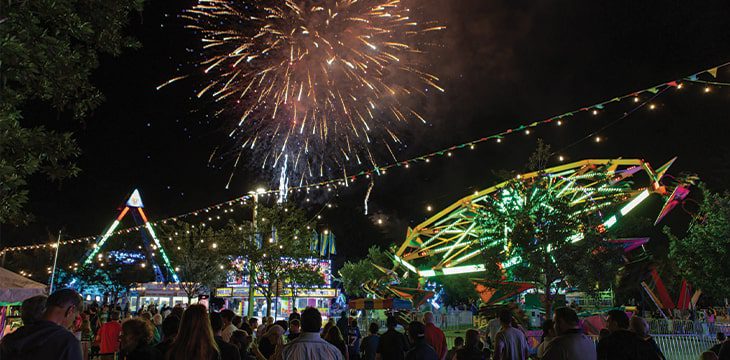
x,y
425,158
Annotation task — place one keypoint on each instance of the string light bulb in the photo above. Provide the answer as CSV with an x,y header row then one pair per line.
x,y
707,89
561,158
598,139
652,107
595,112
527,132
636,99
429,208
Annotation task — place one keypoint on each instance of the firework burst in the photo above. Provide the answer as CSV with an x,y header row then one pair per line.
x,y
316,85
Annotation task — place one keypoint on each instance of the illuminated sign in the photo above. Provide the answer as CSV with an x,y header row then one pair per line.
x,y
284,293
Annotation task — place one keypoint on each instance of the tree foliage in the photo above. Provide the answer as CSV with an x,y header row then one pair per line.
x,y
279,248
201,255
457,290
48,51
354,274
548,240
701,255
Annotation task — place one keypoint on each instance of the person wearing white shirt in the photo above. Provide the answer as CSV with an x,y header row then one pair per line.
x,y
228,327
310,345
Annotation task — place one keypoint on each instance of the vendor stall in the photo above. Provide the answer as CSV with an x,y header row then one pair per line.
x,y
13,290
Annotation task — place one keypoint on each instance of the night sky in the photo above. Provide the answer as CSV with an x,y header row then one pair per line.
x,y
503,63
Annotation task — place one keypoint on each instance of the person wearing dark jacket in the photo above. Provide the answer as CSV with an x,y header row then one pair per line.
x,y
227,351
392,345
421,350
472,350
135,339
48,337
570,342
170,326
648,348
621,344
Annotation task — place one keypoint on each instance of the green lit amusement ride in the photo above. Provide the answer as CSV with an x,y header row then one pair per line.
x,y
454,238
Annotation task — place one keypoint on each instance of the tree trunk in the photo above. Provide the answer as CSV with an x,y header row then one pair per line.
x,y
549,299
268,305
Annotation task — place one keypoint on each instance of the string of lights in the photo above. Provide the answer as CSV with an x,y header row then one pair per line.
x,y
334,183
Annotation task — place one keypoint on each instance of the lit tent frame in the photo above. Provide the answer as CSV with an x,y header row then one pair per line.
x,y
134,206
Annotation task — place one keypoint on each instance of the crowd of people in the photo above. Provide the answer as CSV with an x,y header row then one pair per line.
x,y
55,328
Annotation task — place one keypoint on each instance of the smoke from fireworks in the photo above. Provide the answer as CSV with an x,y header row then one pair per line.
x,y
315,84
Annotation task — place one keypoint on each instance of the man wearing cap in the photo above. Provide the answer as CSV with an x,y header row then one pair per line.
x,y
421,350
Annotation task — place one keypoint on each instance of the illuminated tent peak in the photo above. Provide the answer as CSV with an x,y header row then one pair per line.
x,y
135,204
135,200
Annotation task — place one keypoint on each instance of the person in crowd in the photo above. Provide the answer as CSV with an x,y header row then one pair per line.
x,y
603,333
48,337
254,323
493,327
108,335
237,320
283,323
157,322
170,327
245,326
294,315
294,329
93,312
353,339
421,349
369,345
620,344
135,340
272,339
434,336
709,355
227,351
721,338
393,344
509,343
177,310
264,327
194,340
648,348
458,345
327,327
334,337
242,340
228,327
310,345
32,309
570,342
724,353
343,322
156,337
548,334
472,349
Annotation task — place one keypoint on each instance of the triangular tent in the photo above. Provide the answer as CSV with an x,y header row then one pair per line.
x,y
134,206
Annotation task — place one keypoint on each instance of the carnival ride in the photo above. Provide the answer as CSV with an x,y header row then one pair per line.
x,y
134,206
451,241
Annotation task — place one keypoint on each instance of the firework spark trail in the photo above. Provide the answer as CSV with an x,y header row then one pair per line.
x,y
321,82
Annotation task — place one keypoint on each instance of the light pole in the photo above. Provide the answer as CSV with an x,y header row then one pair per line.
x,y
55,259
251,271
